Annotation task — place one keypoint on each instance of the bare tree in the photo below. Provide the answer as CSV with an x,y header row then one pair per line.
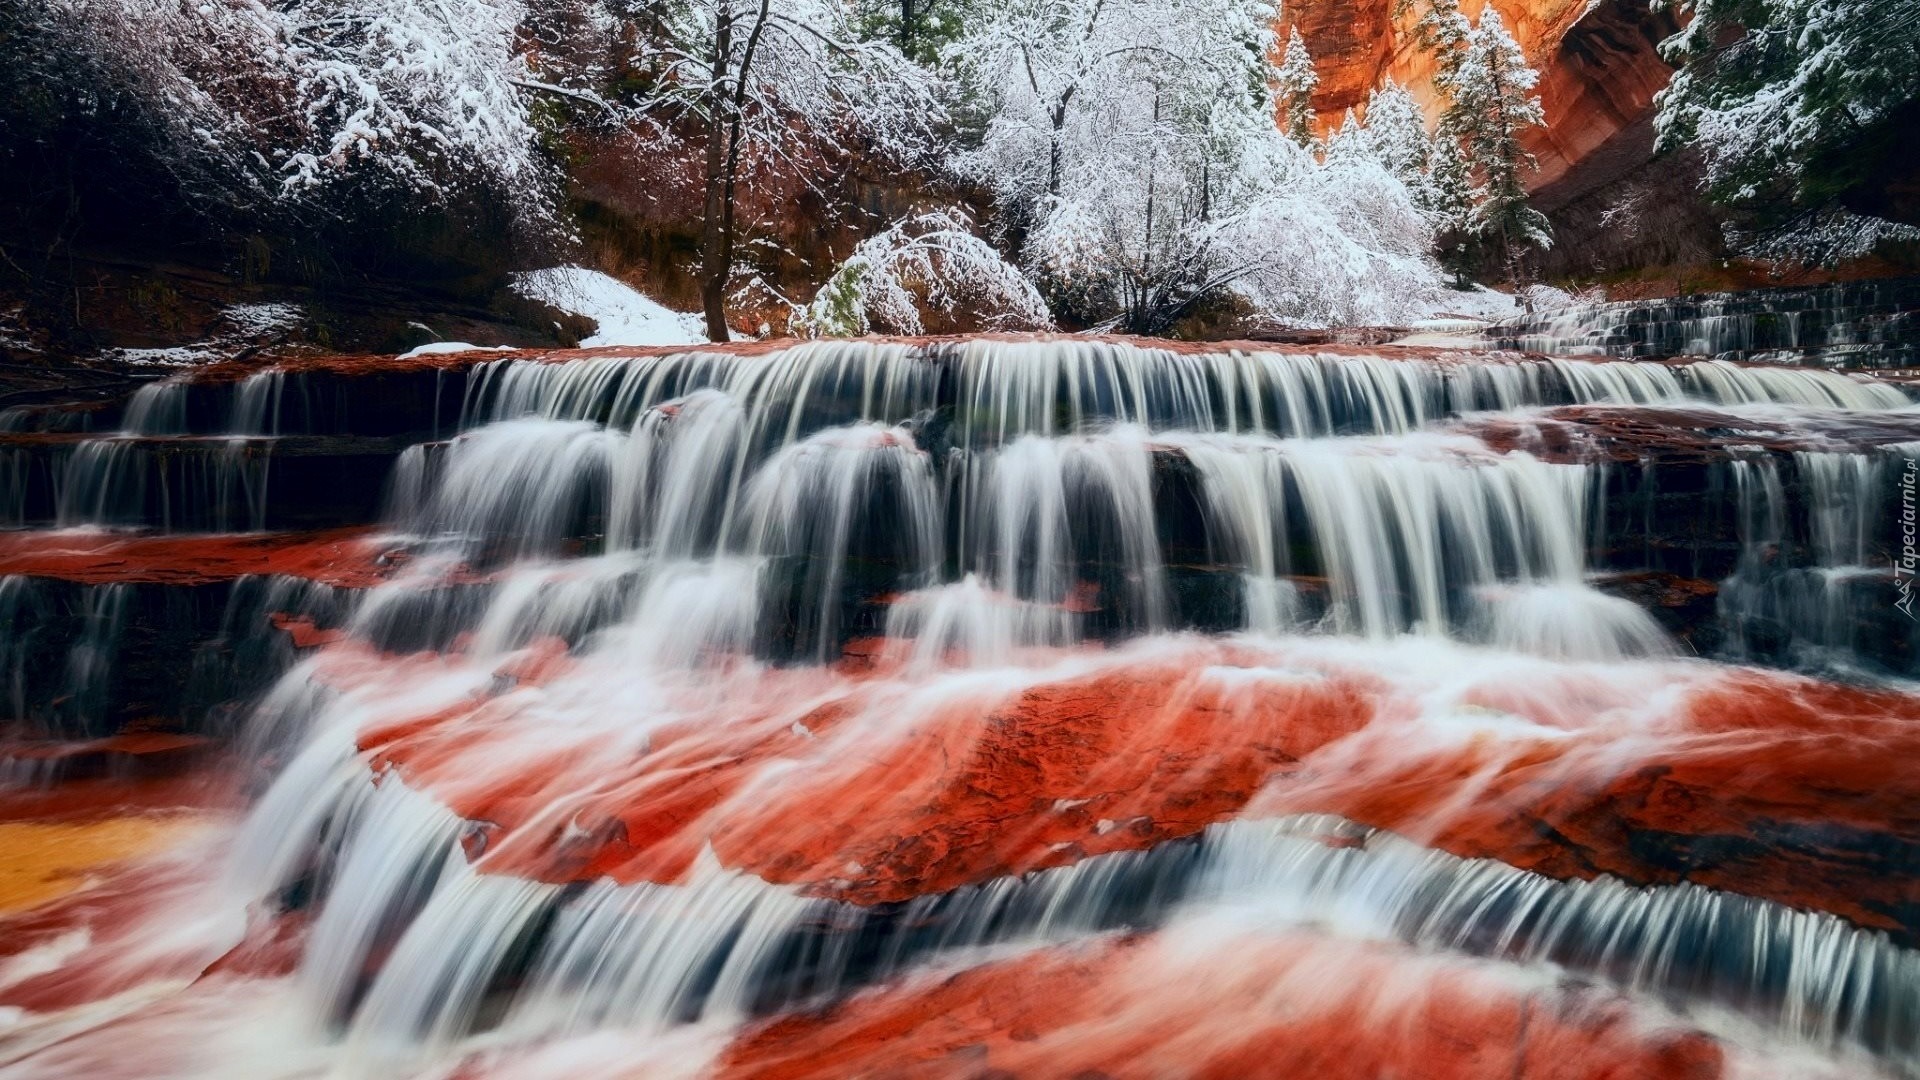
x,y
771,83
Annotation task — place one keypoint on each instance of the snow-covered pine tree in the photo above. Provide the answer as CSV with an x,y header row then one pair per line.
x,y
1790,102
1447,198
1493,101
1398,131
1450,188
1350,140
1442,33
1294,86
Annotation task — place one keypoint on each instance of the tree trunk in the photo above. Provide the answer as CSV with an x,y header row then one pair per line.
x,y
1057,114
716,246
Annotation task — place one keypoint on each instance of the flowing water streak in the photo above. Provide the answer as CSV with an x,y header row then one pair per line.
x,y
1040,515
1411,533
786,394
726,494
864,492
470,950
1811,976
1857,323
154,472
157,408
1802,593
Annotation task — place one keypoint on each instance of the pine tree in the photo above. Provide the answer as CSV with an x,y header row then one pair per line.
x,y
1294,86
1351,139
1447,200
1399,133
1493,101
1790,103
1442,33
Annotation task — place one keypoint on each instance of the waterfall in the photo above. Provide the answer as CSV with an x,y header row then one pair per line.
x,y
1863,324
685,690
1799,592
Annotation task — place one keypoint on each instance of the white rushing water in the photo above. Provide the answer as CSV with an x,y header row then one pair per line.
x,y
624,572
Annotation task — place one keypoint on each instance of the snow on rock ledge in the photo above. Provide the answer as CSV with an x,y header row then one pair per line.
x,y
624,315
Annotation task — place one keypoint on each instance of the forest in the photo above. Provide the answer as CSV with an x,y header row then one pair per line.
x,y
818,167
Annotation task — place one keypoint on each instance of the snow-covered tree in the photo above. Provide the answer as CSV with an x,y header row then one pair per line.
x,y
763,84
1350,140
1133,152
1442,32
1294,87
1448,195
1790,102
1493,101
1113,138
262,104
1339,243
1397,133
927,261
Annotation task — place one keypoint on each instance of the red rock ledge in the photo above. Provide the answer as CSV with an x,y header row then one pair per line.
x,y
346,558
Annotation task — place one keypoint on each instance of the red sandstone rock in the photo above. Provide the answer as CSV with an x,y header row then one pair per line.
x,y
1769,785
877,788
1210,1004
346,558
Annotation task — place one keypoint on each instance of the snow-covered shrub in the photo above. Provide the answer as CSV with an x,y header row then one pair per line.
x,y
1341,243
930,261
1543,298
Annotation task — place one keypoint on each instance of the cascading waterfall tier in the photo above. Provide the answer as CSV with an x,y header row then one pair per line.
x,y
1872,324
663,693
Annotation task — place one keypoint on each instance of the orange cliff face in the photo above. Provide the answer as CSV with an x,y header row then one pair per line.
x,y
1598,61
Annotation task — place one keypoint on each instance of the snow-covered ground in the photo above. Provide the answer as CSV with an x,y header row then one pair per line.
x,y
240,326
1478,304
1456,317
436,347
625,316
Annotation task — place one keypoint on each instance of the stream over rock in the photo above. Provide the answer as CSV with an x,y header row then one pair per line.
x,y
993,706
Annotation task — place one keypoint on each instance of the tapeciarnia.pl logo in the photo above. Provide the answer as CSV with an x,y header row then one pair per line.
x,y
1905,563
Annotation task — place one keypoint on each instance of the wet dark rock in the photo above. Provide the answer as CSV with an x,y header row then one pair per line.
x,y
1860,324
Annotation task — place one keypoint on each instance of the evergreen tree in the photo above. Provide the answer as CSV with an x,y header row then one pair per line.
x,y
1442,33
1398,132
1350,140
1447,200
1294,85
1791,103
1493,101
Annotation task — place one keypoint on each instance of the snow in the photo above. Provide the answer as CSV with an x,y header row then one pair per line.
x,y
260,320
624,315
437,347
239,327
938,252
1479,304
1445,326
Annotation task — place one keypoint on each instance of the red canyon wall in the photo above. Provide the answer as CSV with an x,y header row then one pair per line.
x,y
1597,58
